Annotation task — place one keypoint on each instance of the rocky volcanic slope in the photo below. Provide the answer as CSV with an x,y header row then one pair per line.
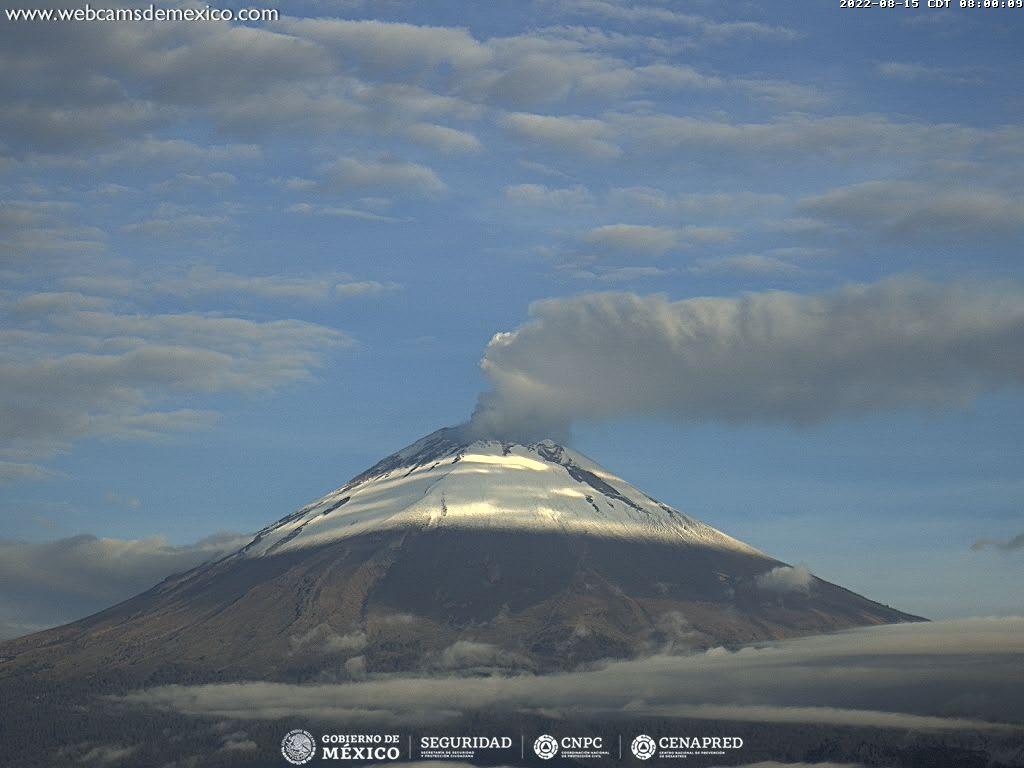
x,y
448,556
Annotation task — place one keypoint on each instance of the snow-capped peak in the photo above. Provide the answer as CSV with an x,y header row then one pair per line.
x,y
448,480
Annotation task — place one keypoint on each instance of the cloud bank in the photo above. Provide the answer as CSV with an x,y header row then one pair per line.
x,y
771,357
900,676
54,582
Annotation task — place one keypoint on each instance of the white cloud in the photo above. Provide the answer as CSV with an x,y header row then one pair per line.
x,y
786,578
189,225
533,70
185,182
467,655
607,274
540,196
781,93
364,288
311,209
200,281
629,13
649,240
703,204
324,639
581,135
727,31
794,136
150,151
348,175
203,281
387,48
76,88
444,139
747,263
903,209
45,303
12,471
107,754
797,136
707,29
632,238
80,371
35,230
912,72
52,128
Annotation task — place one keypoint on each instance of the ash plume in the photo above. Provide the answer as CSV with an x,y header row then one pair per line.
x,y
769,357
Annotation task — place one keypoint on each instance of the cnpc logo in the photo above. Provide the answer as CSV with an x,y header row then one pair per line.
x,y
547,746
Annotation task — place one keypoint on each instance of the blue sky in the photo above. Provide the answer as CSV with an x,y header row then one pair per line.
x,y
240,264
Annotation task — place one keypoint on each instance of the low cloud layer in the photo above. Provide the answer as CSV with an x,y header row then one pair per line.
x,y
905,676
771,357
54,582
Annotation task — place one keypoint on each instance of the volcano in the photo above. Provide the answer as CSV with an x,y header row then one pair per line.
x,y
457,555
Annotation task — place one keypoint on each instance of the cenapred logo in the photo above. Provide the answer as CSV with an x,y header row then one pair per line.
x,y
298,746
546,747
643,747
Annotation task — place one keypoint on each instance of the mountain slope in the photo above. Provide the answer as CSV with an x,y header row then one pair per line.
x,y
450,555
440,482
